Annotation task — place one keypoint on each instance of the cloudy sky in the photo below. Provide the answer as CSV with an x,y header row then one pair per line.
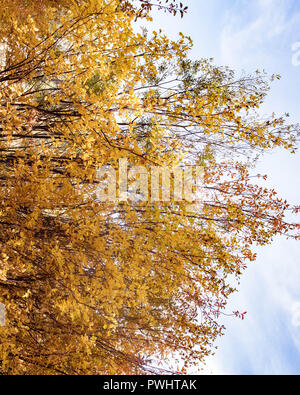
x,y
249,35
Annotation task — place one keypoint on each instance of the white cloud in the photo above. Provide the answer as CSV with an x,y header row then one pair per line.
x,y
250,32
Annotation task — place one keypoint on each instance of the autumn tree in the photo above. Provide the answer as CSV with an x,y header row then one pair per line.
x,y
94,287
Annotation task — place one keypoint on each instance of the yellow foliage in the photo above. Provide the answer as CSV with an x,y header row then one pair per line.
x,y
92,287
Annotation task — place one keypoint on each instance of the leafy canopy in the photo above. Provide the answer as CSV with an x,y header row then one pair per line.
x,y
96,287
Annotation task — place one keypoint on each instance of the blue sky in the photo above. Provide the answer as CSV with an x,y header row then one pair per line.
x,y
250,35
